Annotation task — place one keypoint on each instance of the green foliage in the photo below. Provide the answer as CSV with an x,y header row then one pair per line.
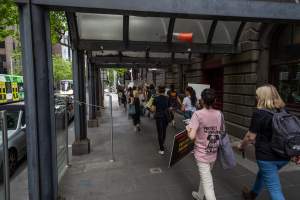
x,y
17,57
8,18
59,26
62,69
110,77
121,71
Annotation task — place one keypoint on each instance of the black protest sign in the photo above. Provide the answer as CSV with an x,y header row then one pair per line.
x,y
182,146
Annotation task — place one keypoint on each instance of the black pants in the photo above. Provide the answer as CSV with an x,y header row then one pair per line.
x,y
136,119
161,125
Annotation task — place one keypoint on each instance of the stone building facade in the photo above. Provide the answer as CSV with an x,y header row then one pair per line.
x,y
270,53
6,50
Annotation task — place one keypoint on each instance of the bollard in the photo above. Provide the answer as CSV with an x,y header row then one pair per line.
x,y
6,172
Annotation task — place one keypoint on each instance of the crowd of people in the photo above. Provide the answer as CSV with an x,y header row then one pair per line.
x,y
204,128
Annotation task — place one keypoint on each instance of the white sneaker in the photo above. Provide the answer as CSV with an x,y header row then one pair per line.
x,y
161,152
173,122
196,195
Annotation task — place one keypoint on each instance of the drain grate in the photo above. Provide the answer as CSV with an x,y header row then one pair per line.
x,y
156,170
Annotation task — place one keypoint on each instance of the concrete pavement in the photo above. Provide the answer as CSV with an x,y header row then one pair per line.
x,y
139,173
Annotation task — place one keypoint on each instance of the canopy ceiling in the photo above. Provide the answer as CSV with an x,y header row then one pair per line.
x,y
148,26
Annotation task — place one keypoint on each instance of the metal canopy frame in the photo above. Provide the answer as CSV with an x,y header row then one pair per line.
x,y
96,45
103,60
236,10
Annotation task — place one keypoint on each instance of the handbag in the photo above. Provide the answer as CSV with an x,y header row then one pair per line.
x,y
225,152
169,116
149,103
131,109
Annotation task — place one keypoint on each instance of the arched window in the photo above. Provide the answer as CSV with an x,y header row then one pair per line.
x,y
285,64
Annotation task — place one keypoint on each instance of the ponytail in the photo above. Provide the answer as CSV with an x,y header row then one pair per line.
x,y
193,95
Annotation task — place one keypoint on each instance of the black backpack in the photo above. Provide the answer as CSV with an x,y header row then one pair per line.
x,y
285,133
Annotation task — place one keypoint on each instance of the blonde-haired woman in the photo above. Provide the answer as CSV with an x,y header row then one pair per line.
x,y
260,132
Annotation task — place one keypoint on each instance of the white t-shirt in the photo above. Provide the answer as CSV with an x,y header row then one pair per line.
x,y
187,103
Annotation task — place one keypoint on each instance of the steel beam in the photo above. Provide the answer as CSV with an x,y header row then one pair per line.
x,y
97,45
211,32
126,29
39,102
73,29
81,144
171,29
131,65
137,60
238,34
246,10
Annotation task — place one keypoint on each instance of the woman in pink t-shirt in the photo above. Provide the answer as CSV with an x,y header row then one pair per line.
x,y
204,128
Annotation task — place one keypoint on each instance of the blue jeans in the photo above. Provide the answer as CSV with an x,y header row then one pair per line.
x,y
187,114
268,176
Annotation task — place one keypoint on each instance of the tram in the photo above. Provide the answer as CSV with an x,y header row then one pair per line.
x,y
11,88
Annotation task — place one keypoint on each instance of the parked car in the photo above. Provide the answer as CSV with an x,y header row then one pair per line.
x,y
16,133
60,104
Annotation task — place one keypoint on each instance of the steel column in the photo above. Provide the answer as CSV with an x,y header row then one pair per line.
x,y
40,119
91,90
101,89
82,143
97,91
92,122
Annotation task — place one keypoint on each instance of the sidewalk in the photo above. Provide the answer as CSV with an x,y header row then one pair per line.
x,y
139,173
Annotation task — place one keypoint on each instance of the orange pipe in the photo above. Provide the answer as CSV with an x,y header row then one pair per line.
x,y
185,37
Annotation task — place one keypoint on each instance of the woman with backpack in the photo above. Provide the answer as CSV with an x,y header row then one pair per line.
x,y
260,132
204,128
189,103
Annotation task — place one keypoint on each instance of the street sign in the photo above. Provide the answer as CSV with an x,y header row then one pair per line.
x,y
182,146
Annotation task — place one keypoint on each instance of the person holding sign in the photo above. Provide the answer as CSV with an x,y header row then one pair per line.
x,y
204,129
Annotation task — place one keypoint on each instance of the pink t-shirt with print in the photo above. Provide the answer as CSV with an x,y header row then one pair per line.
x,y
207,122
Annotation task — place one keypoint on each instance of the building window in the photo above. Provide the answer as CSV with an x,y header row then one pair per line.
x,y
2,60
285,64
287,80
2,45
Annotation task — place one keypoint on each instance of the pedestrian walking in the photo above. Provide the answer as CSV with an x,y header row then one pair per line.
x,y
136,116
160,107
260,132
189,103
124,100
142,99
204,128
174,102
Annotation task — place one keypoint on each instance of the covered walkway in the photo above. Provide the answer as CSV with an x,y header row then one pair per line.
x,y
138,33
93,177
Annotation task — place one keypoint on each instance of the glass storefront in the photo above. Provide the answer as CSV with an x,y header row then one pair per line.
x,y
287,80
285,64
